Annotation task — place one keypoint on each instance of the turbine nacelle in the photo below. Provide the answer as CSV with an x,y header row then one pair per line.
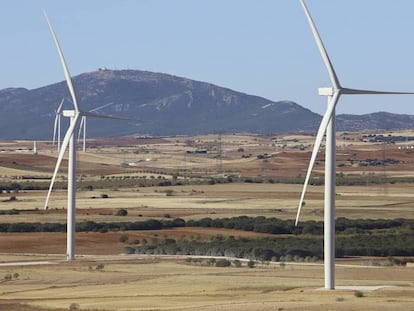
x,y
326,91
69,113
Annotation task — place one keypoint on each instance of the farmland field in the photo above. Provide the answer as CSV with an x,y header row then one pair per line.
x,y
212,176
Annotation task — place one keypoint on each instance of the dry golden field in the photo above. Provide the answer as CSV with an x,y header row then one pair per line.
x,y
146,283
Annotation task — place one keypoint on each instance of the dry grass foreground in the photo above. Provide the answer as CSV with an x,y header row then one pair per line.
x,y
145,283
154,284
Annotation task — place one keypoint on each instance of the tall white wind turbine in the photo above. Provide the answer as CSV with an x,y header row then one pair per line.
x,y
56,127
327,126
69,140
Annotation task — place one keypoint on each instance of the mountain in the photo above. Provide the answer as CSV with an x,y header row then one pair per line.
x,y
168,105
374,121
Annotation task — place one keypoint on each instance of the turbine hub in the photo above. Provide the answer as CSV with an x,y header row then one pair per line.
x,y
326,91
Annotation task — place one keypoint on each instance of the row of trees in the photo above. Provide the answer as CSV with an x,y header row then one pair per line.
x,y
261,224
143,181
279,226
283,248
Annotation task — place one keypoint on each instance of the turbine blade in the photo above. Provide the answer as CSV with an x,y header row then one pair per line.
x,y
103,116
58,111
64,65
100,107
321,47
65,144
319,137
369,92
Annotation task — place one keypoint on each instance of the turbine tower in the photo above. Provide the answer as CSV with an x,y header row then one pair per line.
x,y
56,127
327,126
69,140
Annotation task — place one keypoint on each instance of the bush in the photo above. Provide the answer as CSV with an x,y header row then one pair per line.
x,y
104,196
100,267
358,294
237,263
169,193
123,238
122,212
74,306
251,264
129,250
223,263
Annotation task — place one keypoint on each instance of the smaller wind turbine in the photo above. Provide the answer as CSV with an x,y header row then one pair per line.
x,y
69,140
82,125
56,127
82,128
327,126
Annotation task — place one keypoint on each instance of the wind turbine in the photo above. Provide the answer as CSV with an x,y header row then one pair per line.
x,y
69,140
82,125
327,126
82,128
56,127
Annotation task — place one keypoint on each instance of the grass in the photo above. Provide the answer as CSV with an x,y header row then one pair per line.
x,y
223,200
139,284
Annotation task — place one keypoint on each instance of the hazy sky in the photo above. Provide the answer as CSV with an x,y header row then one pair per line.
x,y
260,47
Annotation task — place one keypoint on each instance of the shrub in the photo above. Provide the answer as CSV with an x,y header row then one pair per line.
x,y
100,267
223,263
122,212
104,196
129,250
358,294
123,238
237,263
251,264
74,306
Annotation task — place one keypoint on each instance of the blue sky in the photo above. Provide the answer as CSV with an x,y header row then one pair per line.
x,y
260,47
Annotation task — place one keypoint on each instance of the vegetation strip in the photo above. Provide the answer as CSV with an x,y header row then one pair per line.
x,y
360,237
